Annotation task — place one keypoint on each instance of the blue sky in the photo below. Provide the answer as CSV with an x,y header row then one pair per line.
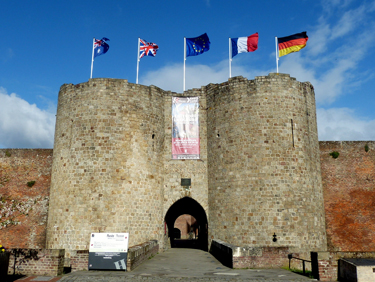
x,y
49,43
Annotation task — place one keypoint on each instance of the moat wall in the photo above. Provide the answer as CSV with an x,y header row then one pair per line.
x,y
349,195
24,209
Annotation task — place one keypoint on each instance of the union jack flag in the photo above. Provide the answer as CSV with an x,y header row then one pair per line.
x,y
100,46
147,48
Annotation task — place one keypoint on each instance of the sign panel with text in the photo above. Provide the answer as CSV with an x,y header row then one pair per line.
x,y
108,251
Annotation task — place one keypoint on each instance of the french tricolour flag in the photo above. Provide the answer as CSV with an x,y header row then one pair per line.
x,y
244,44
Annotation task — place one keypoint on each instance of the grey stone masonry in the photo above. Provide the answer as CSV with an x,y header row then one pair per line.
x,y
258,174
263,163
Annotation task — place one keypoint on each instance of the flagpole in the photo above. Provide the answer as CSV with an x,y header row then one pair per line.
x,y
277,56
92,57
230,59
184,60
139,40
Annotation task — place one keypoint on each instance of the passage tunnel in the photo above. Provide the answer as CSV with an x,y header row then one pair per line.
x,y
189,206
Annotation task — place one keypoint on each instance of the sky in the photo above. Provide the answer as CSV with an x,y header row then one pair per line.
x,y
49,43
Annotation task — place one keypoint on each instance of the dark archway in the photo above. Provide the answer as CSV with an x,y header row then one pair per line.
x,y
176,233
190,206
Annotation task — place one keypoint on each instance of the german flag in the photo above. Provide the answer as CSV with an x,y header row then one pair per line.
x,y
292,43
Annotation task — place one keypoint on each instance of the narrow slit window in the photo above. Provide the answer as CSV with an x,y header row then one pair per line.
x,y
291,122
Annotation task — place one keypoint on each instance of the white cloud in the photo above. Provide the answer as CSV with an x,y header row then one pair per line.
x,y
23,125
348,22
341,124
171,77
331,71
333,124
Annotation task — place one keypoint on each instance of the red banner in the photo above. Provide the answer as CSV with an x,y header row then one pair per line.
x,y
185,128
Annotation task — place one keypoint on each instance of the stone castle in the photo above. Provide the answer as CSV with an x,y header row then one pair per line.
x,y
262,179
258,174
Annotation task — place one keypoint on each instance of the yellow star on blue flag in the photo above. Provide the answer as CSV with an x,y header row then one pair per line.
x,y
197,45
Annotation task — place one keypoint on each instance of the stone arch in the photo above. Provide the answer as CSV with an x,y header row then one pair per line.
x,y
190,206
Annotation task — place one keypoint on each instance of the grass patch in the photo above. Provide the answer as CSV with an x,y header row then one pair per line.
x,y
307,273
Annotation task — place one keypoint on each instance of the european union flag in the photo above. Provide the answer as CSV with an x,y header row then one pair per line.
x,y
197,45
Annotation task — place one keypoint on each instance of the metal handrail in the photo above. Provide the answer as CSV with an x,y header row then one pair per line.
x,y
290,257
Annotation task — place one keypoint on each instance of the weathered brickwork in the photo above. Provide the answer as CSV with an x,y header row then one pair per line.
x,y
185,224
79,260
326,264
23,209
44,262
263,163
349,195
140,253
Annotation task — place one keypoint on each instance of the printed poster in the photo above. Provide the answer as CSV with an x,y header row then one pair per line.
x,y
108,251
185,128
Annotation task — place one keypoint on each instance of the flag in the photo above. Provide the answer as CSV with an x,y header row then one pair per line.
x,y
292,43
100,46
197,45
244,44
147,48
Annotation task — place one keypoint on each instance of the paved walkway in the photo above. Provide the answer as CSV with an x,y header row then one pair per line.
x,y
184,265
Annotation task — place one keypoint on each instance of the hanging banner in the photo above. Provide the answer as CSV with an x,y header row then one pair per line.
x,y
185,128
108,251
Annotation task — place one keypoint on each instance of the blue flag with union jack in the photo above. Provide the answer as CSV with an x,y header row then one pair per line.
x,y
147,48
100,46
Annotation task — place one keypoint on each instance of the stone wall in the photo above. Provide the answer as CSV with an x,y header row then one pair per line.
x,y
140,253
263,163
107,172
196,170
36,262
325,264
255,257
349,195
113,172
23,209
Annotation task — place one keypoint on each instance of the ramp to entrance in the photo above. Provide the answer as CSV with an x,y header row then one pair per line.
x,y
192,264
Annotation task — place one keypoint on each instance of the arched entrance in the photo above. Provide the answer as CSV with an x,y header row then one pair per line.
x,y
191,207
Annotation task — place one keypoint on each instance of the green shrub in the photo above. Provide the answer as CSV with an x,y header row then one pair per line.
x,y
30,183
366,148
334,154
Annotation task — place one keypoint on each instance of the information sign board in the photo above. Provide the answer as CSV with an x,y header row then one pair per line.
x,y
108,251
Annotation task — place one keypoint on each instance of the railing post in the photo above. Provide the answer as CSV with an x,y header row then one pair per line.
x,y
303,266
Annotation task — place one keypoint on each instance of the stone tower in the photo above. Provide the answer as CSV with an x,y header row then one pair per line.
x,y
264,176
107,163
258,176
